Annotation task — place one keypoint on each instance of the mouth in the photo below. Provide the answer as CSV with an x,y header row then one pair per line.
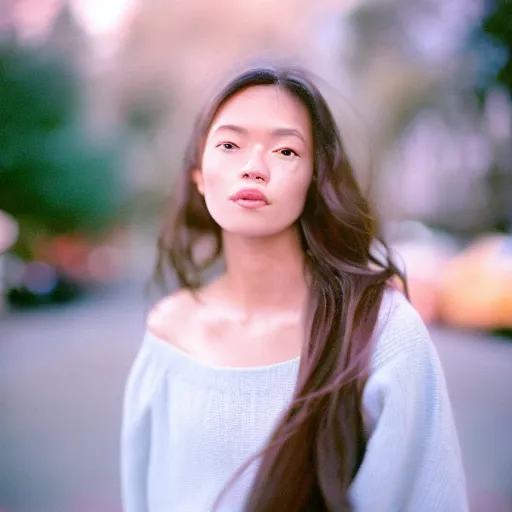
x,y
250,198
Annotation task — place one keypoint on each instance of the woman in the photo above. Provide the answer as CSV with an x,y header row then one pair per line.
x,y
297,380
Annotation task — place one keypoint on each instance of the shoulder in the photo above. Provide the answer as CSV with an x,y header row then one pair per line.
x,y
171,314
400,332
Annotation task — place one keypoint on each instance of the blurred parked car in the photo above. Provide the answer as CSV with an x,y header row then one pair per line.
x,y
423,253
62,269
476,286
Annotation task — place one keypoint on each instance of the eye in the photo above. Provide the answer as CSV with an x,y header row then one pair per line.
x,y
227,146
287,152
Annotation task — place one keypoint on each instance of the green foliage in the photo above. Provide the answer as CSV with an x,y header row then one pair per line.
x,y
53,177
493,41
498,24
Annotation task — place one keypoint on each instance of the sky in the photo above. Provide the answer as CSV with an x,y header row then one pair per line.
x,y
100,17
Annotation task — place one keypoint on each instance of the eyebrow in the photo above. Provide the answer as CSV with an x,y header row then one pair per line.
x,y
277,132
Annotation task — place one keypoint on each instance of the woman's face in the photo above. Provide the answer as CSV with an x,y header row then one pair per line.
x,y
258,162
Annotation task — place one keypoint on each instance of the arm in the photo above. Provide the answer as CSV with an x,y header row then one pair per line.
x,y
135,432
412,462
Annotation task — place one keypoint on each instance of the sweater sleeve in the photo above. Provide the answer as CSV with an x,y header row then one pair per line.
x,y
141,385
412,462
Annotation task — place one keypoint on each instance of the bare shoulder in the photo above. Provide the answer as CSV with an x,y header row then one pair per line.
x,y
177,315
171,315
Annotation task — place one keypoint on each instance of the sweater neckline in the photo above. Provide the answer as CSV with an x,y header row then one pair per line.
x,y
167,348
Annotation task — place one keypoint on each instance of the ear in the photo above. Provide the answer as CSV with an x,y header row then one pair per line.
x,y
197,178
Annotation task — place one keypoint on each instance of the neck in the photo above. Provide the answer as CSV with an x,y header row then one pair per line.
x,y
265,274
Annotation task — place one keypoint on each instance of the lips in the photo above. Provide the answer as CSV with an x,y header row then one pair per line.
x,y
250,198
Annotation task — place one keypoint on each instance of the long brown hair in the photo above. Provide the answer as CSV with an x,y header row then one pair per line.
x,y
319,442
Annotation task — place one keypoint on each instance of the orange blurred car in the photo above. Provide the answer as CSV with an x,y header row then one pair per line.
x,y
476,286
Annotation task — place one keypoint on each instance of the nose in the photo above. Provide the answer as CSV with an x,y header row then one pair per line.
x,y
256,168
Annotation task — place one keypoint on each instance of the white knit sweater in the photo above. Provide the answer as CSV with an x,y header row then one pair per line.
x,y
188,426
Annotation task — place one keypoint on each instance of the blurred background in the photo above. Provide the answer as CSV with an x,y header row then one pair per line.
x,y
96,103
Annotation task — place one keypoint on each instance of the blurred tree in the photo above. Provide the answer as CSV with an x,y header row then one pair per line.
x,y
493,42
415,78
66,38
53,177
396,74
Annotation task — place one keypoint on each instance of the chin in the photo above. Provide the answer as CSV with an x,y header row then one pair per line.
x,y
252,224
250,228
246,231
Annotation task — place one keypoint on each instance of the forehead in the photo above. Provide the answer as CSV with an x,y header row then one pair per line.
x,y
264,106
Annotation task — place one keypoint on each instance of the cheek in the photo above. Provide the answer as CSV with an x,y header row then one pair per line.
x,y
299,198
215,184
293,186
213,175
218,170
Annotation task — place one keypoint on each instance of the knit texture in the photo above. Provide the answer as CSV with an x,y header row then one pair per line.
x,y
188,426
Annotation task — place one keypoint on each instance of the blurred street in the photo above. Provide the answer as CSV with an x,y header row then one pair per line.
x,y
62,372
97,104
